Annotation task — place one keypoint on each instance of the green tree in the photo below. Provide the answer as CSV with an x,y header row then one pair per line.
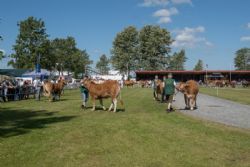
x,y
103,65
80,62
177,61
63,51
154,47
1,55
124,51
1,52
199,66
31,37
242,59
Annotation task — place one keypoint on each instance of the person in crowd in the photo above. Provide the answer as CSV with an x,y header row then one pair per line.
x,y
163,97
5,87
1,93
169,88
155,87
37,85
84,93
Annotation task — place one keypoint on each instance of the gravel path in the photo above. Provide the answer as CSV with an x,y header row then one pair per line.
x,y
217,110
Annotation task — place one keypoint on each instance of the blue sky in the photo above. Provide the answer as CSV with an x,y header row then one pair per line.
x,y
211,30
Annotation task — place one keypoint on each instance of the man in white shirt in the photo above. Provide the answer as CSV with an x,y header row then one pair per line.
x,y
37,84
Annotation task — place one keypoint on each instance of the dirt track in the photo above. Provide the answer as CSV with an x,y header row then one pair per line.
x,y
217,110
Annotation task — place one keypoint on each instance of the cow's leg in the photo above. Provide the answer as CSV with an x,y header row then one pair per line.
x,y
93,102
115,104
186,101
111,105
195,106
192,103
101,102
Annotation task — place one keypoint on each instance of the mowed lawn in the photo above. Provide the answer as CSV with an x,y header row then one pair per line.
x,y
241,95
61,134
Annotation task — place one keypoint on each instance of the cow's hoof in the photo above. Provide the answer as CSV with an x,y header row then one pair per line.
x,y
92,109
104,108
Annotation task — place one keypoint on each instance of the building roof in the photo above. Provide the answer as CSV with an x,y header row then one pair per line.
x,y
13,72
192,72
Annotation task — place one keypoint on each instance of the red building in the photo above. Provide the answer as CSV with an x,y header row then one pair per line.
x,y
195,75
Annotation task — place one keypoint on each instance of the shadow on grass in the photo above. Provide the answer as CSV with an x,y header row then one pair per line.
x,y
14,122
101,109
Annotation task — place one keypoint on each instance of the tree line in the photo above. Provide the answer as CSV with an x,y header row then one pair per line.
x,y
34,47
146,49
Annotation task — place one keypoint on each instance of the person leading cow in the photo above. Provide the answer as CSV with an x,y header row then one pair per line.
x,y
169,90
84,93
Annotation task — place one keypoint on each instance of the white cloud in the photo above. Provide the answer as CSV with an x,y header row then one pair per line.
x,y
248,25
189,38
245,38
150,3
164,15
181,1
164,20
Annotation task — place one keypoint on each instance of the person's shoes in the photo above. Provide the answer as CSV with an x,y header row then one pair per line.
x,y
83,106
171,109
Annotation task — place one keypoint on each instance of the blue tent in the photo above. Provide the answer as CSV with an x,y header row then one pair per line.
x,y
43,74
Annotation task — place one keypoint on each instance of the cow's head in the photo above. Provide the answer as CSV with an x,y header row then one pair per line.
x,y
182,86
63,82
86,82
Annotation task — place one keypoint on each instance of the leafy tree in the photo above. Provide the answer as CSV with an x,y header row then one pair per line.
x,y
124,51
103,65
80,62
48,59
177,61
1,55
199,66
242,59
154,47
31,37
62,53
1,52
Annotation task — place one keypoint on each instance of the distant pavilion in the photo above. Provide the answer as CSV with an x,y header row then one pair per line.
x,y
195,75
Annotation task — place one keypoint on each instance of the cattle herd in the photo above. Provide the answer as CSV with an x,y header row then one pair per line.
x,y
101,89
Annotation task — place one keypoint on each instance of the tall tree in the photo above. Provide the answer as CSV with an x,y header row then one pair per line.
x,y
177,61
63,51
124,51
103,65
242,59
80,62
32,35
199,66
1,52
1,55
154,47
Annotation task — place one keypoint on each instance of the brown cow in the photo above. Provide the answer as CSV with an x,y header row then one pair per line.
x,y
52,89
190,90
129,83
159,89
109,88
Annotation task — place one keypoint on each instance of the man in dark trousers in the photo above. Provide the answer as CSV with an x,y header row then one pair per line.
x,y
169,90
84,93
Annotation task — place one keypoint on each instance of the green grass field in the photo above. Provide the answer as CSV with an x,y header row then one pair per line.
x,y
61,134
241,95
